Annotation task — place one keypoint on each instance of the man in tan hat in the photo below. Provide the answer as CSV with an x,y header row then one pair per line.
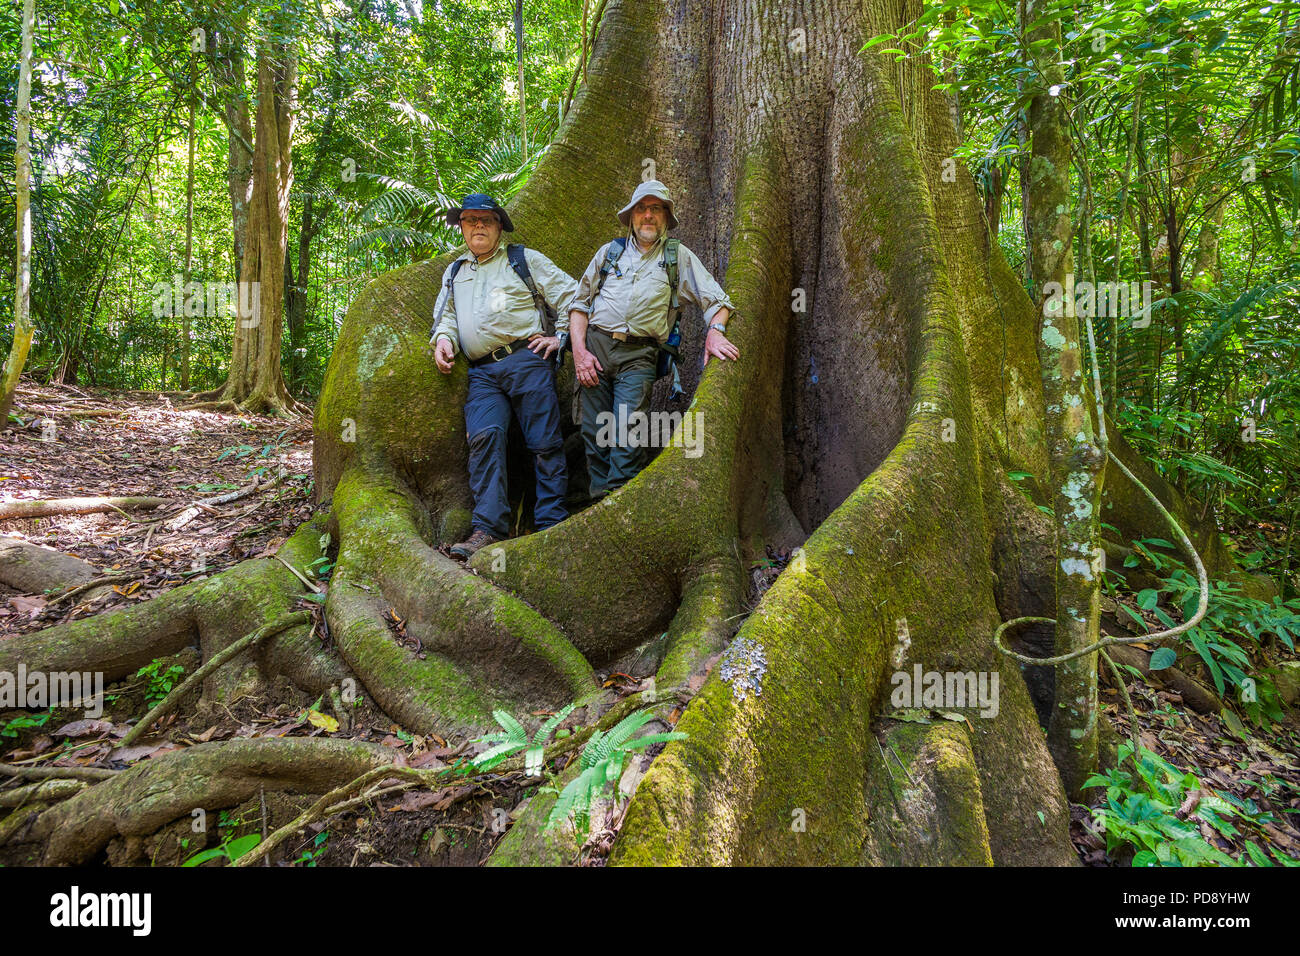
x,y
623,313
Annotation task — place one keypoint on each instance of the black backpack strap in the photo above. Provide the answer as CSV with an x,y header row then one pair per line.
x,y
442,306
519,262
613,252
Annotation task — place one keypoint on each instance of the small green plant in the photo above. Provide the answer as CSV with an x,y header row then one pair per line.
x,y
313,853
210,486
512,738
161,681
245,451
230,850
601,766
23,722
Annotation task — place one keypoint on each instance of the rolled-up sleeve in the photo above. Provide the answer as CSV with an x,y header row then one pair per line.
x,y
696,286
447,325
556,286
584,296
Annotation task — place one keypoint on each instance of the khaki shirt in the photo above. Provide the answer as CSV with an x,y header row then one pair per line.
x,y
490,306
637,301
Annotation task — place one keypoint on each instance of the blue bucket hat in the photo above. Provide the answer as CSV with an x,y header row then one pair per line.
x,y
479,202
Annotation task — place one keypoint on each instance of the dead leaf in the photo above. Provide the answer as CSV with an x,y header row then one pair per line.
x,y
24,604
1189,805
414,800
428,760
324,721
132,754
84,728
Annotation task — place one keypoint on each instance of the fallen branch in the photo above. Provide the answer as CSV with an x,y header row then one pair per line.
x,y
57,773
173,698
103,579
317,809
76,506
44,791
240,492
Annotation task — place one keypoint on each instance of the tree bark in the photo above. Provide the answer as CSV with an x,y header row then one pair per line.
x,y
23,329
255,381
1074,458
226,57
189,250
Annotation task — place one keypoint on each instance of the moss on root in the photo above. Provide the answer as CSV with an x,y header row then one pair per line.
x,y
925,800
483,648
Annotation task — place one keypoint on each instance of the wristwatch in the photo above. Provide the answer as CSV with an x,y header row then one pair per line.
x,y
719,327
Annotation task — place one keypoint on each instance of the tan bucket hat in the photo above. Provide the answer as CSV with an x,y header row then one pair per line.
x,y
651,187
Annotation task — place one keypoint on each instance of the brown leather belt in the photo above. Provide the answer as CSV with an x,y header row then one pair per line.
x,y
627,339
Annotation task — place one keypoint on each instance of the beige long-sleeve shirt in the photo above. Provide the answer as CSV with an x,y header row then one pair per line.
x,y
636,302
490,306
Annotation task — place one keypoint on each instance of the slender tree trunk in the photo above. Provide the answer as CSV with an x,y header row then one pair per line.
x,y
226,59
23,329
255,381
832,194
189,252
1113,337
1075,460
519,61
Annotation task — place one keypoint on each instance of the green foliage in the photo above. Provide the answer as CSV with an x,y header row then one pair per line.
x,y
161,680
1232,632
1141,816
513,738
311,856
24,722
601,766
229,850
417,94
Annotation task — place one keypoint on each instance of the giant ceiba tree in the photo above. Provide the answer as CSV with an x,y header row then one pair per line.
x,y
889,381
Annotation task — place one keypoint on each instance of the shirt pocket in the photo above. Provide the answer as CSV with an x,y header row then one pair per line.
x,y
650,294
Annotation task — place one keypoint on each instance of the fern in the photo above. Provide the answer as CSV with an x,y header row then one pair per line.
x,y
513,738
601,765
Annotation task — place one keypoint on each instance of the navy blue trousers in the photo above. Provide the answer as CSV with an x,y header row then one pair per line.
x,y
524,383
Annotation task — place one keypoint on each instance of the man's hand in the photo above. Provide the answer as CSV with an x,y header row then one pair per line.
x,y
444,355
544,345
585,368
717,344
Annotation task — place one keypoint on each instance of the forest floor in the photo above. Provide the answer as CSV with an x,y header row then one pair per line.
x,y
88,442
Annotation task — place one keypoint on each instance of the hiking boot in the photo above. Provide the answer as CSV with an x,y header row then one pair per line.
x,y
479,539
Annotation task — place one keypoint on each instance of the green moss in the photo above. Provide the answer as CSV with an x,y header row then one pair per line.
x,y
926,805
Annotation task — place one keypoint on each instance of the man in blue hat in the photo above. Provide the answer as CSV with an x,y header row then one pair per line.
x,y
506,308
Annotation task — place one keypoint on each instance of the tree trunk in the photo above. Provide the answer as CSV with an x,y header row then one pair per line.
x,y
225,55
189,252
1074,460
255,382
870,419
519,63
23,330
